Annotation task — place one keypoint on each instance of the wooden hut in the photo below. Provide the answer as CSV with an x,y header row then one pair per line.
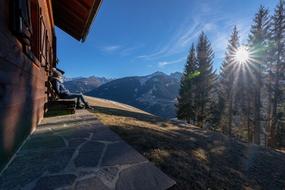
x,y
27,55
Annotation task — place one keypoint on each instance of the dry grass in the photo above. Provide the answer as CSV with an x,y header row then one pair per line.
x,y
194,158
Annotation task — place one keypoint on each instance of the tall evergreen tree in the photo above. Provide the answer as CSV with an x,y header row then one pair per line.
x,y
277,69
205,79
258,44
216,105
186,100
227,82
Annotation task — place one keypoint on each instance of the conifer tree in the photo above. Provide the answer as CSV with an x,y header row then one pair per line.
x,y
216,105
258,44
227,83
205,79
277,69
186,99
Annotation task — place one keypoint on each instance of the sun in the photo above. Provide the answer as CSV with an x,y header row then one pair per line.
x,y
242,54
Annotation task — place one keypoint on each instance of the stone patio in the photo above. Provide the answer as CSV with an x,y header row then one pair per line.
x,y
78,152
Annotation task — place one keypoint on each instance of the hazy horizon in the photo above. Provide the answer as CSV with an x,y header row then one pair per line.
x,y
75,77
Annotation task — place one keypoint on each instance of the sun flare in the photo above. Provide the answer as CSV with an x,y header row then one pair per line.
x,y
242,55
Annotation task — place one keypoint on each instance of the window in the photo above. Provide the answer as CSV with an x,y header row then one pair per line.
x,y
35,13
29,27
47,54
43,44
54,50
21,22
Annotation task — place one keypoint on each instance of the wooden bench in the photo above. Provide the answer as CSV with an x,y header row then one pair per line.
x,y
56,106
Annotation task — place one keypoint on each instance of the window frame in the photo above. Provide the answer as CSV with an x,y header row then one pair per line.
x,y
35,18
21,23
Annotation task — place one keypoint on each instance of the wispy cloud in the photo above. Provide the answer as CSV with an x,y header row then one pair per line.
x,y
220,38
186,34
219,44
165,63
217,26
111,48
130,49
181,40
122,50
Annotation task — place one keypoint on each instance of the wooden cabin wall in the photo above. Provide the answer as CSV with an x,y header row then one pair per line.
x,y
22,86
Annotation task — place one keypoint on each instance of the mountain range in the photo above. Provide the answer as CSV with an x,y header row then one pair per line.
x,y
155,93
84,84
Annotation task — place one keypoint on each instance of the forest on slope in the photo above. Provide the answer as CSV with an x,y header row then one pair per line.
x,y
246,99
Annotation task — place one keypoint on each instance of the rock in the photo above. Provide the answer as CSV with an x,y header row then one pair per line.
x,y
54,182
120,154
143,177
91,183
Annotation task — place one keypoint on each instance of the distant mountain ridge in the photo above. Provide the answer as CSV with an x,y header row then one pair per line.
x,y
84,84
155,93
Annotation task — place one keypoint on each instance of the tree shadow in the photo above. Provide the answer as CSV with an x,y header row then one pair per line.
x,y
200,159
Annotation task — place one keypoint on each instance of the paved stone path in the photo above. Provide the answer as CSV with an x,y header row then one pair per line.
x,y
78,152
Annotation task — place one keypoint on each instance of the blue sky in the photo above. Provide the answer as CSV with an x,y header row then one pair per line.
x,y
134,37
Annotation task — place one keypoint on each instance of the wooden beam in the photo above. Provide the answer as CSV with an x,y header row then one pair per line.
x,y
92,15
75,16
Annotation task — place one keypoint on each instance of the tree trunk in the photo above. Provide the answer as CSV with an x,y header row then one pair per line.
x,y
230,115
257,109
274,120
275,102
249,132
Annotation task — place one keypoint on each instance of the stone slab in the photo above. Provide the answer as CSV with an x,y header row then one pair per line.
x,y
78,152
121,154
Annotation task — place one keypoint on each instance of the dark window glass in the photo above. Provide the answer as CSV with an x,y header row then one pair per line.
x,y
35,13
21,20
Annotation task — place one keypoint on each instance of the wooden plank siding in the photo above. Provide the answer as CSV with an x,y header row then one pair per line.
x,y
22,84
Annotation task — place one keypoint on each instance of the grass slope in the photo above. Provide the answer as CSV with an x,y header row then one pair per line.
x,y
194,158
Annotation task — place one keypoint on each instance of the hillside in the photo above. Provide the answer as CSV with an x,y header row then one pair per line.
x,y
193,157
85,84
155,93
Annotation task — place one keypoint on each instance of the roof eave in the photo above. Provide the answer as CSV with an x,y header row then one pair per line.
x,y
93,14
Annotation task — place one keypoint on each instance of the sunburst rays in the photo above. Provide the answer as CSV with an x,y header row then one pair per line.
x,y
243,62
242,55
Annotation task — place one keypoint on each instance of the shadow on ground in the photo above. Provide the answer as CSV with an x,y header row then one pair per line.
x,y
195,158
78,152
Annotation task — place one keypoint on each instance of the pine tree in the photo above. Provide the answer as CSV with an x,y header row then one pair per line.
x,y
258,44
186,99
216,105
227,82
205,79
277,69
